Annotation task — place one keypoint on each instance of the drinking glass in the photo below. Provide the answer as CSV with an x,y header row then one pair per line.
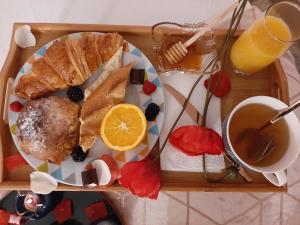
x,y
267,38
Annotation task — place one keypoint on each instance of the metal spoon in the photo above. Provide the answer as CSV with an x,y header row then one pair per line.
x,y
280,115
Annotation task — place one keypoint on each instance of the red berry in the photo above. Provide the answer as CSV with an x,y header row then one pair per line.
x,y
223,86
148,87
16,106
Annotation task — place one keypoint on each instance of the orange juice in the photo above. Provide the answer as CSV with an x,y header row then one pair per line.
x,y
264,41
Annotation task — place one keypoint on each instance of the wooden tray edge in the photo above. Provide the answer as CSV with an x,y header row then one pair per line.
x,y
13,185
209,187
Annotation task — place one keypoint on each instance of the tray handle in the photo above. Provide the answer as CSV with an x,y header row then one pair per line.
x,y
9,88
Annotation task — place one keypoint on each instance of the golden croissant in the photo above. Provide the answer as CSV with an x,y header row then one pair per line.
x,y
66,63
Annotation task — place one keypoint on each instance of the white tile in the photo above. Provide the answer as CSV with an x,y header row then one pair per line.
x,y
293,171
195,219
165,211
221,207
157,210
295,190
181,196
131,208
177,213
251,217
271,210
261,195
290,211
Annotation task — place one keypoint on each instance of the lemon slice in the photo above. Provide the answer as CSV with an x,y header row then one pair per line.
x,y
123,127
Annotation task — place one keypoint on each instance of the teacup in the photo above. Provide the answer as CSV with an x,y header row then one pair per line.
x,y
275,173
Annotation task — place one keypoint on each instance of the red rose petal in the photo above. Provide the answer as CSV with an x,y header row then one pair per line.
x,y
142,178
223,87
96,211
196,140
14,161
63,210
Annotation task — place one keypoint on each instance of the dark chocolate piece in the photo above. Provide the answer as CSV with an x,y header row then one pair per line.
x,y
137,76
89,178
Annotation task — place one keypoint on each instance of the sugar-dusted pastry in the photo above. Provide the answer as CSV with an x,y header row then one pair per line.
x,y
47,128
108,93
68,62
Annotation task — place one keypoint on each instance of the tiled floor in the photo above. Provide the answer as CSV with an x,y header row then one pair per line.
x,y
184,208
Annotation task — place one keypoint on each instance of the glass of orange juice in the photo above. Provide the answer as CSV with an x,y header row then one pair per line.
x,y
267,38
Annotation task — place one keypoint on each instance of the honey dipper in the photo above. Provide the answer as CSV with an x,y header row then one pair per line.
x,y
175,53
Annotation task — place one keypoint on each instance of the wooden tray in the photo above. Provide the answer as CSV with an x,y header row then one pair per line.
x,y
271,81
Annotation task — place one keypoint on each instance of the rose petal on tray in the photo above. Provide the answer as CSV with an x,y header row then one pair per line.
x,y
196,140
14,161
142,178
220,84
42,183
23,37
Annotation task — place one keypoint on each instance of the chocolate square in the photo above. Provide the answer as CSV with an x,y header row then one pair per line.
x,y
89,178
137,76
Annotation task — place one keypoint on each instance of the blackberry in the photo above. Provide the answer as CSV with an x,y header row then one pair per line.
x,y
78,155
75,94
152,111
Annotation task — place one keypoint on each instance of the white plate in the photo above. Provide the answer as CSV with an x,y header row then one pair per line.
x,y
69,172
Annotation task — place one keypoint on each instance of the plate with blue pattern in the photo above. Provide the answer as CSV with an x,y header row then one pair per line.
x,y
69,172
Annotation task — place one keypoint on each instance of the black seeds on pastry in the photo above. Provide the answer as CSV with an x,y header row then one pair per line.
x,y
152,111
78,155
137,76
75,94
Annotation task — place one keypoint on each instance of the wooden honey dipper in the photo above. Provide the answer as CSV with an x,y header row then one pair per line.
x,y
175,53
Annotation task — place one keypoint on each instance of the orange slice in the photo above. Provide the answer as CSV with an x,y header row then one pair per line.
x,y
123,127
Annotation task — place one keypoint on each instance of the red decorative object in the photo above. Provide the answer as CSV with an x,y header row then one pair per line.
x,y
63,210
96,211
224,85
16,106
14,161
4,217
197,140
148,87
141,178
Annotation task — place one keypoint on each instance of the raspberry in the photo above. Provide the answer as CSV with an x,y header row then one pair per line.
x,y
15,106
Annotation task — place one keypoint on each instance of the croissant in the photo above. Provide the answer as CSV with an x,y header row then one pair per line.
x,y
66,63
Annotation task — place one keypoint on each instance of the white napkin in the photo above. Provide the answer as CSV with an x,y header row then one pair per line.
x,y
173,160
